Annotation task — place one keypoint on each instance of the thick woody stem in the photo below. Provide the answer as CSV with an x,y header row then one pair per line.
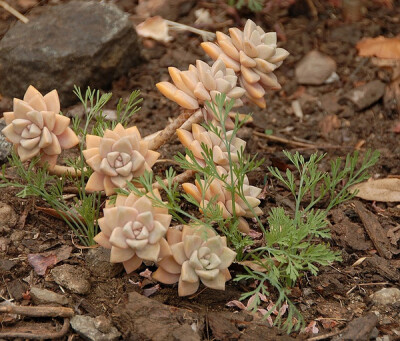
x,y
170,129
38,311
197,117
64,170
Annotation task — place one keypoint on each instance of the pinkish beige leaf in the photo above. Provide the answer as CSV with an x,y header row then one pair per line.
x,y
385,190
155,28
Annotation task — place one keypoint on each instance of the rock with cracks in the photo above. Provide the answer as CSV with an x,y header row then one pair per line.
x,y
74,278
86,327
44,296
78,43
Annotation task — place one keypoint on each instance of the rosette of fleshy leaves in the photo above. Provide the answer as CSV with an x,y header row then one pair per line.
x,y
253,54
133,229
201,83
35,127
193,141
216,192
195,254
117,157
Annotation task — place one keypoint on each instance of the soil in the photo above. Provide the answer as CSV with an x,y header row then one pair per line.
x,y
340,293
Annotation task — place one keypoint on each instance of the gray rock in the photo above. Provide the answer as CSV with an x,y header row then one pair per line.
x,y
365,95
5,146
44,296
8,217
73,278
85,326
386,296
315,68
98,261
83,43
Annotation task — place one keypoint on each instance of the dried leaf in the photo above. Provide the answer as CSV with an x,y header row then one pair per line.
x,y
236,303
311,328
388,48
41,261
254,234
385,190
150,291
59,215
146,274
359,261
263,312
155,28
254,266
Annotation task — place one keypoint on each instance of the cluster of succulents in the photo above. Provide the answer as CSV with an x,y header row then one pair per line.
x,y
134,227
216,191
199,135
253,54
201,83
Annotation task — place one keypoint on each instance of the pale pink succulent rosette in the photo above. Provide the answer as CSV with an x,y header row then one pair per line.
x,y
133,229
35,127
117,157
195,254
251,53
216,191
201,83
193,141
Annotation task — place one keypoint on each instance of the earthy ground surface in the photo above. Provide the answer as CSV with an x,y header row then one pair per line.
x,y
341,292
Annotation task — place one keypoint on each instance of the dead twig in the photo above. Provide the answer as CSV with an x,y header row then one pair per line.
x,y
38,336
286,141
365,285
324,336
37,311
374,229
14,12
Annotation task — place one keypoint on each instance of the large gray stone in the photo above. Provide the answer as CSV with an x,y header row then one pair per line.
x,y
83,43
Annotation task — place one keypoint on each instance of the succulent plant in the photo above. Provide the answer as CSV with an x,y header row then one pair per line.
x,y
134,230
215,190
116,158
195,254
202,83
254,54
35,127
193,140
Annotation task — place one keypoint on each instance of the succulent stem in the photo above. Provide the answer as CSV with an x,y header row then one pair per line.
x,y
64,170
165,135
